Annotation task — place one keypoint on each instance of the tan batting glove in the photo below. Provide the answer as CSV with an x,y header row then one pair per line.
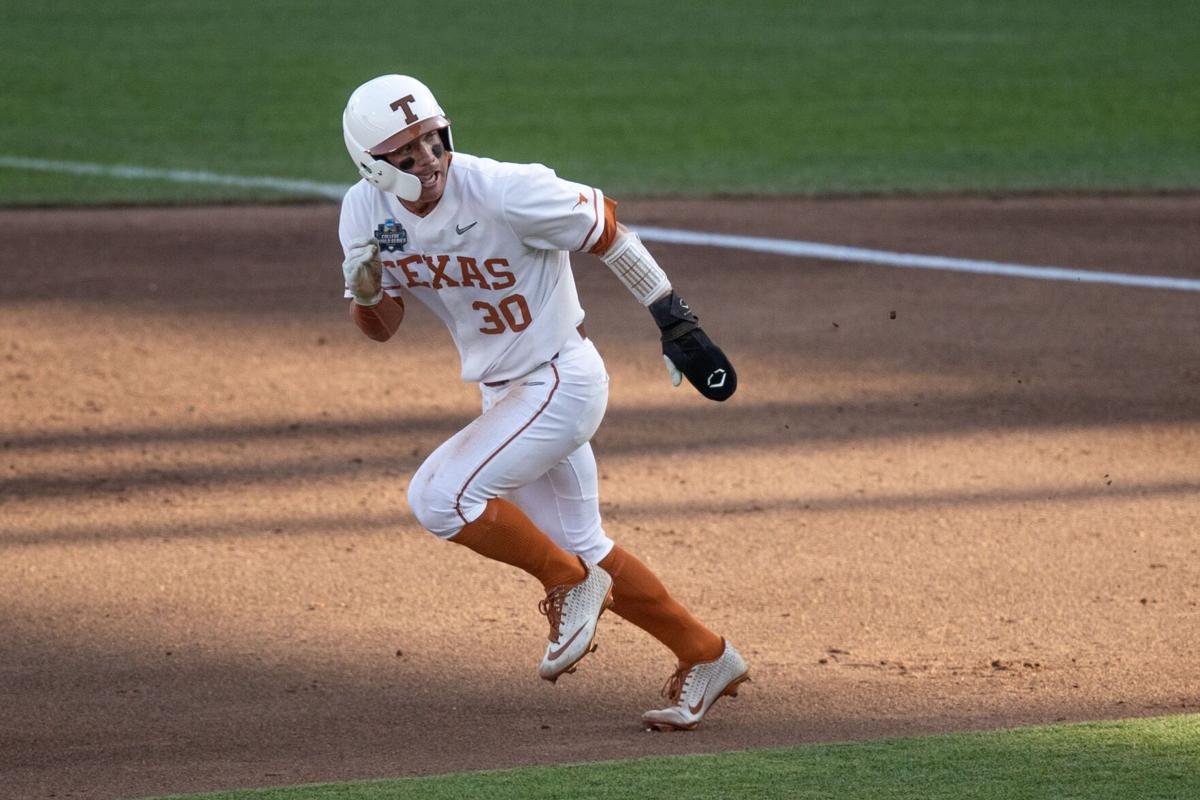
x,y
364,272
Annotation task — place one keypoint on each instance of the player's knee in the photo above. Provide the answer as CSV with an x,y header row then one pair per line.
x,y
434,506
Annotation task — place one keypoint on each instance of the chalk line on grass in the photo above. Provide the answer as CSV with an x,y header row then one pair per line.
x,y
756,244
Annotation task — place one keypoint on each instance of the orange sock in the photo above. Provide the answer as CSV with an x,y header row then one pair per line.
x,y
640,597
504,533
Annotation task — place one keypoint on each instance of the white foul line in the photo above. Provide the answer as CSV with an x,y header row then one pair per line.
x,y
757,244
329,190
835,252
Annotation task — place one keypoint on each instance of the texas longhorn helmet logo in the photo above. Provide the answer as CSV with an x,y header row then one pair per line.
x,y
405,103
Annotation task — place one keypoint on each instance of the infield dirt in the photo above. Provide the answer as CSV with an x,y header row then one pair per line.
x,y
938,501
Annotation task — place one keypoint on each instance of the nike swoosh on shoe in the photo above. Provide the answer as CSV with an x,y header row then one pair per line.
x,y
554,654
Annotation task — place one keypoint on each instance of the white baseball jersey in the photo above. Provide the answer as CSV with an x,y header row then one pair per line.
x,y
491,258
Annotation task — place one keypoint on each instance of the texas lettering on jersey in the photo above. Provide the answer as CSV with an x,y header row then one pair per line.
x,y
451,272
511,313
490,260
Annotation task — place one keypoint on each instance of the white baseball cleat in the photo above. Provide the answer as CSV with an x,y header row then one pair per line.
x,y
573,612
694,688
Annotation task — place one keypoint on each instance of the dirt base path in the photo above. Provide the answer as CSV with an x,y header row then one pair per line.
x,y
979,513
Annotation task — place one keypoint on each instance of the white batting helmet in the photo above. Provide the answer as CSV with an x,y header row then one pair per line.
x,y
383,115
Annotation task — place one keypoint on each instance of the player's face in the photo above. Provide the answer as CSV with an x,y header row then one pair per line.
x,y
427,159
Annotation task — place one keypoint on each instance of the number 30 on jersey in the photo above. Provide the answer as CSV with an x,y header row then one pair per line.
x,y
511,313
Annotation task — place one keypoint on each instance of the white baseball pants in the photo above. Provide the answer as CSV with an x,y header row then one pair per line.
x,y
529,446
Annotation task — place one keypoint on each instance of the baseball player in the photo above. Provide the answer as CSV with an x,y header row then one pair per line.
x,y
485,246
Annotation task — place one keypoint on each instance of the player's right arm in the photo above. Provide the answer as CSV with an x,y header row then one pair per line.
x,y
380,321
377,314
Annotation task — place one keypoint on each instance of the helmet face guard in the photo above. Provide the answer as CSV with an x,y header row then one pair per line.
x,y
383,115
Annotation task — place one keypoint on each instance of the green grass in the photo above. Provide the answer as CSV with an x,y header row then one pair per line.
x,y
1128,760
675,96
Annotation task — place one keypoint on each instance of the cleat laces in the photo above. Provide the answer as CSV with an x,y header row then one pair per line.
x,y
552,607
677,684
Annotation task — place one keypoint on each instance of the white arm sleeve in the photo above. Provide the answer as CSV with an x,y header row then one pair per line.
x,y
633,265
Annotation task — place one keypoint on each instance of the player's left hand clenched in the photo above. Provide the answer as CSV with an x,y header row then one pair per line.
x,y
364,272
688,352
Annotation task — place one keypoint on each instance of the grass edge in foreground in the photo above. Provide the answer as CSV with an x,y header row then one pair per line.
x,y
1157,757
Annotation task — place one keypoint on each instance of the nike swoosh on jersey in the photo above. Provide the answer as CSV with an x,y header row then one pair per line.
x,y
461,231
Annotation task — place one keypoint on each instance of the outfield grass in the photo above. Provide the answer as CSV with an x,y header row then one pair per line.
x,y
1128,760
676,96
